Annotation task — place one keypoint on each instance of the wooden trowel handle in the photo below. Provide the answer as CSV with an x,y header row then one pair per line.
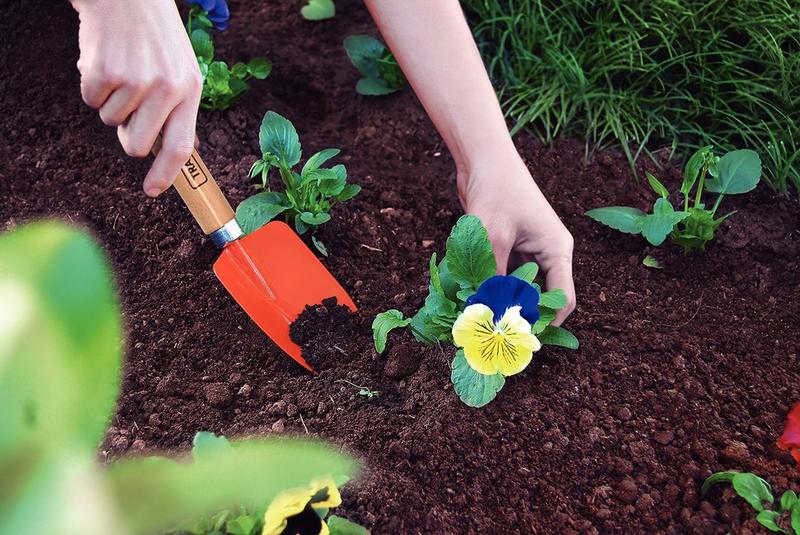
x,y
200,193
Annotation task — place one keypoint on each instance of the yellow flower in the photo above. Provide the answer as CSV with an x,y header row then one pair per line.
x,y
294,511
490,347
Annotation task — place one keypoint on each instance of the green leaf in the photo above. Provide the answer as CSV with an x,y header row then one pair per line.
x,y
555,299
205,444
753,489
341,526
239,70
651,262
427,331
318,10
259,209
279,137
449,284
470,259
739,172
259,68
436,281
546,317
558,336
788,500
657,186
364,52
768,519
374,87
656,227
316,161
241,525
348,192
622,218
383,324
202,46
716,479
527,271
60,347
473,388
153,492
218,78
796,518
320,246
692,169
315,219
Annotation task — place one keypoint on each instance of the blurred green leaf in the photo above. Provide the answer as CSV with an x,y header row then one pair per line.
x,y
341,526
318,10
155,492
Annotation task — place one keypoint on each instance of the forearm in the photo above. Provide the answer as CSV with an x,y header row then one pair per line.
x,y
435,48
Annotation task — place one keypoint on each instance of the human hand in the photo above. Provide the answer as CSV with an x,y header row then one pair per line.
x,y
522,225
138,69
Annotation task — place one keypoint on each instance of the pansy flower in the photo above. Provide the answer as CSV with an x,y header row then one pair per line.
x,y
495,327
294,511
790,440
218,12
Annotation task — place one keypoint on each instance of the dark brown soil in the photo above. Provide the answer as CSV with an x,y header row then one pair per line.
x,y
681,372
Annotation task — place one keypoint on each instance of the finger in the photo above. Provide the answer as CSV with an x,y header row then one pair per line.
x,y
96,89
120,105
501,253
139,133
176,147
560,276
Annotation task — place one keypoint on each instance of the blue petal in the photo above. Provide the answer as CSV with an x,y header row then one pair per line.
x,y
502,292
220,14
205,5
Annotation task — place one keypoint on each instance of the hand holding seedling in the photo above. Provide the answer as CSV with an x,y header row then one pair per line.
x,y
138,69
433,44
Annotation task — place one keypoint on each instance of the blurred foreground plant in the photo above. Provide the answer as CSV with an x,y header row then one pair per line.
x,y
60,362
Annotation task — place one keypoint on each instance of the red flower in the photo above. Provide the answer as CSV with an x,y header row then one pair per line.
x,y
790,440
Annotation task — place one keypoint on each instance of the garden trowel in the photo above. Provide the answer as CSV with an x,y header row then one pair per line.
x,y
270,272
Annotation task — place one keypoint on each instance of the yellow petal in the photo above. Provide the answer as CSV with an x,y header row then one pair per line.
x,y
288,503
334,499
474,331
518,344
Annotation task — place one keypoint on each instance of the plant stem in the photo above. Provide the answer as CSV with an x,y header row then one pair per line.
x,y
700,185
716,203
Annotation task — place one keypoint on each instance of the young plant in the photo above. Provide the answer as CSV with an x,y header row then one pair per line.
x,y
785,518
221,85
365,391
496,322
307,506
61,360
736,172
381,73
307,196
318,10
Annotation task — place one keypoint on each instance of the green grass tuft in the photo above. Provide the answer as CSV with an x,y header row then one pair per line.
x,y
648,74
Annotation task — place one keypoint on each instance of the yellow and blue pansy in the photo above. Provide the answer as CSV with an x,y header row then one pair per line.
x,y
495,327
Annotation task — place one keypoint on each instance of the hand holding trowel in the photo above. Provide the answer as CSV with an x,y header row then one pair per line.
x,y
270,272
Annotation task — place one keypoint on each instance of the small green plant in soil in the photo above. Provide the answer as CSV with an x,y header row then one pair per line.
x,y
783,517
496,322
307,196
306,506
222,85
318,10
736,172
364,391
381,73
61,361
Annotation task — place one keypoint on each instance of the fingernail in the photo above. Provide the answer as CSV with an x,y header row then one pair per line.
x,y
153,192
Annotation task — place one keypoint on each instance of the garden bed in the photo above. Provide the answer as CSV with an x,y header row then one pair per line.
x,y
681,372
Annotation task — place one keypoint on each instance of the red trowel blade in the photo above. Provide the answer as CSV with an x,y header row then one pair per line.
x,y
273,276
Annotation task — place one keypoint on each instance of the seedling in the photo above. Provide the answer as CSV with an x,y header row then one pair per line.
x,y
307,197
784,518
466,300
736,172
381,73
365,391
221,85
